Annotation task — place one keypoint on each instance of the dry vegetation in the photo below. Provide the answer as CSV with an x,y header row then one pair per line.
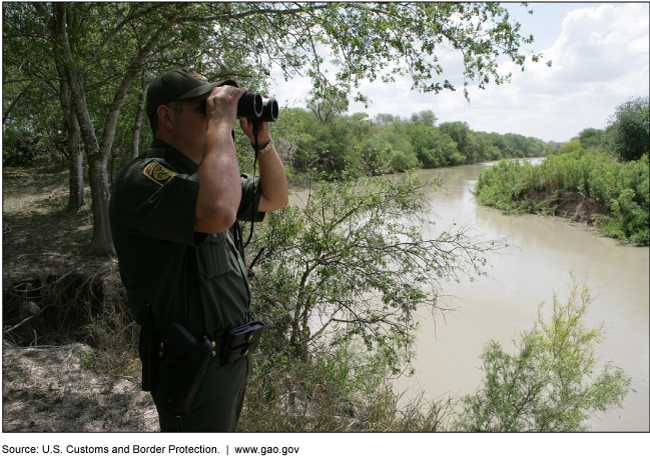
x,y
56,389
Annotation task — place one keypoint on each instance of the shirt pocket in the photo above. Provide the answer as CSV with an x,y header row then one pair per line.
x,y
214,256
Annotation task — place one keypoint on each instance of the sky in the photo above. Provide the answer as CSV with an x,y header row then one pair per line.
x,y
600,54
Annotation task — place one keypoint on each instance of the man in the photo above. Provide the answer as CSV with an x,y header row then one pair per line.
x,y
173,215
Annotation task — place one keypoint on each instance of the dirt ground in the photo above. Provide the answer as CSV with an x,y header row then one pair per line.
x,y
50,389
47,388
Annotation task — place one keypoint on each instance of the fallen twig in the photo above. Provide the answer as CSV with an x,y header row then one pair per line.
x,y
21,323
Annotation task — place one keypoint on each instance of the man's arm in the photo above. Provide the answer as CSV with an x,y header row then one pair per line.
x,y
273,179
219,182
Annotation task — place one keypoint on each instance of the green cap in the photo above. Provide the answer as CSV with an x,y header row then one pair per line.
x,y
179,85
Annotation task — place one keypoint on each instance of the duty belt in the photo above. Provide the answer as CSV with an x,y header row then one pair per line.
x,y
185,358
177,343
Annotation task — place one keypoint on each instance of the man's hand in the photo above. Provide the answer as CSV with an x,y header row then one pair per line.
x,y
263,130
275,192
221,105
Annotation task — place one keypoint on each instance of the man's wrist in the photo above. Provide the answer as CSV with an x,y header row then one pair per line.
x,y
265,147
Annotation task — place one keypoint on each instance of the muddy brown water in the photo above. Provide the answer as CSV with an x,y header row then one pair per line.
x,y
543,252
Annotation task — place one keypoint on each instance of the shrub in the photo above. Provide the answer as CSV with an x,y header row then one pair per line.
x,y
549,382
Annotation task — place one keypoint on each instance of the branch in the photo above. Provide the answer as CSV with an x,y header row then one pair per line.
x,y
118,27
6,115
269,11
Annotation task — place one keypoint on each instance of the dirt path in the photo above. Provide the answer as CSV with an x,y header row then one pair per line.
x,y
50,389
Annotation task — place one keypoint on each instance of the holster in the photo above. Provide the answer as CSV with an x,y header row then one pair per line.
x,y
184,361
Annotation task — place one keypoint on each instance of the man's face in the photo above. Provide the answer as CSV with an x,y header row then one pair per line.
x,y
190,127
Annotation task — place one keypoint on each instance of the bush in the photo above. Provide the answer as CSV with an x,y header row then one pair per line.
x,y
620,188
549,382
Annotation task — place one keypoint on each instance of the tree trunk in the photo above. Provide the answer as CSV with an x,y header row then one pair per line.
x,y
101,244
5,116
135,141
77,196
76,184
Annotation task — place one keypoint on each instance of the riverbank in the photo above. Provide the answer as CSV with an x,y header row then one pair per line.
x,y
582,186
574,207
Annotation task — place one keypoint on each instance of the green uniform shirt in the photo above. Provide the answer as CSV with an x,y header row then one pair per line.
x,y
196,279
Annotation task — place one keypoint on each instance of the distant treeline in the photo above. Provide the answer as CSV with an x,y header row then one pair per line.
x,y
318,139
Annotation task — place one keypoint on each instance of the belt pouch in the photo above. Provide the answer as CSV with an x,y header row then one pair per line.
x,y
185,359
242,340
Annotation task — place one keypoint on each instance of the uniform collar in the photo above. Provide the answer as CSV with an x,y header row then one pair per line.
x,y
174,157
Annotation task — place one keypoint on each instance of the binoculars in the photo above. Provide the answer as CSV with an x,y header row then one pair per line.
x,y
253,106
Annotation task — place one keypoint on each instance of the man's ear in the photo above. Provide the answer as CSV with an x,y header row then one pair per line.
x,y
165,117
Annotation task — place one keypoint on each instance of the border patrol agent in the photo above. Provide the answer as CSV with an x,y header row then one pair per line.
x,y
173,213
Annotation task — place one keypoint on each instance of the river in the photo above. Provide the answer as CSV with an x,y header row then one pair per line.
x,y
542,253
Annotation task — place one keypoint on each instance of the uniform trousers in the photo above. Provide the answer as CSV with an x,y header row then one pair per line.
x,y
218,401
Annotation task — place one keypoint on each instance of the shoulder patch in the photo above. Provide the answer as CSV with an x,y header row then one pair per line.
x,y
157,173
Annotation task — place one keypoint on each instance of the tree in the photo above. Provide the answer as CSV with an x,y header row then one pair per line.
x,y
629,128
376,154
464,138
328,144
103,48
39,82
423,140
548,384
354,265
426,117
591,138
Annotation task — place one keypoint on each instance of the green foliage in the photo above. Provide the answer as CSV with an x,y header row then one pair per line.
x,y
620,188
426,117
625,187
354,265
462,135
591,138
62,61
501,185
549,383
376,154
401,162
630,128
325,141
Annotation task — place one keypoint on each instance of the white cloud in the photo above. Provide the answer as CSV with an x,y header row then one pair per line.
x,y
600,59
600,44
